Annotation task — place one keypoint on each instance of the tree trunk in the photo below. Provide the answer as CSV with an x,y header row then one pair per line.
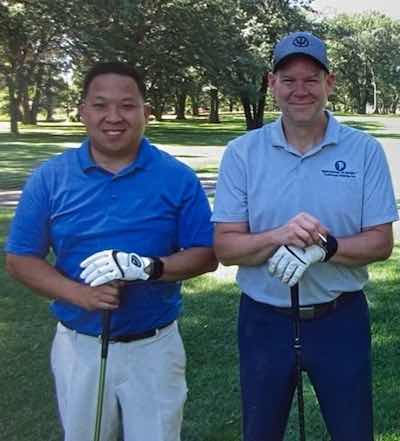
x,y
394,104
214,107
25,106
254,112
180,105
195,105
13,106
34,109
50,114
157,103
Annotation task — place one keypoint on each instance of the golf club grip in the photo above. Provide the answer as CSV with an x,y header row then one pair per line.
x,y
105,335
294,294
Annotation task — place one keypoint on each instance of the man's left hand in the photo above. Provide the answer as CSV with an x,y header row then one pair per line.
x,y
289,263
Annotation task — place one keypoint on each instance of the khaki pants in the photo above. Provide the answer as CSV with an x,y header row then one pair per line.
x,y
145,386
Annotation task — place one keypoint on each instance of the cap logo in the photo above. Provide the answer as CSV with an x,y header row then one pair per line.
x,y
301,41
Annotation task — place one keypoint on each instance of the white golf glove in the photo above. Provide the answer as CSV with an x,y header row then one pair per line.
x,y
289,263
108,265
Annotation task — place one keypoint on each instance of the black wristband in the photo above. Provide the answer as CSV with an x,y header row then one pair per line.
x,y
157,268
330,246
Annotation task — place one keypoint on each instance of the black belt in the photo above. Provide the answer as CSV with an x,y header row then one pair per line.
x,y
310,312
129,337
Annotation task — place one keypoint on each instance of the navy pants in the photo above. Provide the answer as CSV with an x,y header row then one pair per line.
x,y
336,354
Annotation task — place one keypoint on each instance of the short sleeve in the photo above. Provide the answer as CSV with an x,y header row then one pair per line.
x,y
194,226
231,192
379,204
29,231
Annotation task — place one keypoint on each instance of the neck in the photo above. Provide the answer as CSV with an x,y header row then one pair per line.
x,y
112,164
304,138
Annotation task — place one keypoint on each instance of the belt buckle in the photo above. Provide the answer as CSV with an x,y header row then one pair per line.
x,y
307,312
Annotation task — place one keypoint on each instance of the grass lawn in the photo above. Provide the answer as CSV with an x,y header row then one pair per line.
x,y
19,154
208,326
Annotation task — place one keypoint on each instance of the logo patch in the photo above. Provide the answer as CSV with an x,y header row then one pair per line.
x,y
301,41
135,261
340,165
339,170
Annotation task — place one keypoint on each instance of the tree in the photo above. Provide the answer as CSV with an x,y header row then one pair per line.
x,y
365,54
237,52
31,39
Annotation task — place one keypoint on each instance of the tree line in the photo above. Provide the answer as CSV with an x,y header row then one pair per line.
x,y
193,53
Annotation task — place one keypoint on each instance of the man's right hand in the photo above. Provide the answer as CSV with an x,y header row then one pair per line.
x,y
99,297
302,231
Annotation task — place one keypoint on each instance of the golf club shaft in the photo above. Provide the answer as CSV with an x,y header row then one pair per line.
x,y
294,293
105,338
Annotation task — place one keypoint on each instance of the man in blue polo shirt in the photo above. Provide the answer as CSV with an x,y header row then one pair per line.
x,y
304,199
115,208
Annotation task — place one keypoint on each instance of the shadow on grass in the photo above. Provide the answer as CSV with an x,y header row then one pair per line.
x,y
20,154
363,125
385,135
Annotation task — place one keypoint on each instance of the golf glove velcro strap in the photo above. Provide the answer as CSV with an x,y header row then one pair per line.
x,y
330,245
108,265
289,263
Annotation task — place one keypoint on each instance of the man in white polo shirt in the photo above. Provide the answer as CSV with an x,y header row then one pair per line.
x,y
280,189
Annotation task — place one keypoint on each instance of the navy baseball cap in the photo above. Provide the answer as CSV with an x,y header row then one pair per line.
x,y
300,43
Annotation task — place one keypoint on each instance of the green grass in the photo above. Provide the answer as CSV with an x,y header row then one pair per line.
x,y
208,325
212,412
20,154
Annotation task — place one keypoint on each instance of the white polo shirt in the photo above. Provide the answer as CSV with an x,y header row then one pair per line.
x,y
344,182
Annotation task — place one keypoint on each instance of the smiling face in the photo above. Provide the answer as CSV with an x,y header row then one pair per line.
x,y
301,88
115,116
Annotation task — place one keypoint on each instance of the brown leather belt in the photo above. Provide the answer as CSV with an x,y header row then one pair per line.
x,y
310,312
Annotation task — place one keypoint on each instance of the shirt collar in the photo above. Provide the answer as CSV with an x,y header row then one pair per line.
x,y
331,137
142,159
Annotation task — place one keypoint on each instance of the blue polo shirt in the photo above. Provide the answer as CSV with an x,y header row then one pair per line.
x,y
154,207
344,182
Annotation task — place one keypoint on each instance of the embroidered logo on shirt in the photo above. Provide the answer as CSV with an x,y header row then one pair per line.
x,y
339,171
340,165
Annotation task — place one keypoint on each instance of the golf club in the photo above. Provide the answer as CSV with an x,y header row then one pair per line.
x,y
294,293
105,335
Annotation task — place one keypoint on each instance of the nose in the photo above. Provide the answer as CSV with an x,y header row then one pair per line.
x,y
300,89
113,114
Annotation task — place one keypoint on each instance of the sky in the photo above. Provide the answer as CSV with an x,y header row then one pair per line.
x,y
388,7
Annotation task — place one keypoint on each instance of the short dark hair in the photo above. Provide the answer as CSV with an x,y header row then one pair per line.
x,y
113,67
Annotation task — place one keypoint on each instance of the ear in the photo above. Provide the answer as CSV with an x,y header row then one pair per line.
x,y
271,80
